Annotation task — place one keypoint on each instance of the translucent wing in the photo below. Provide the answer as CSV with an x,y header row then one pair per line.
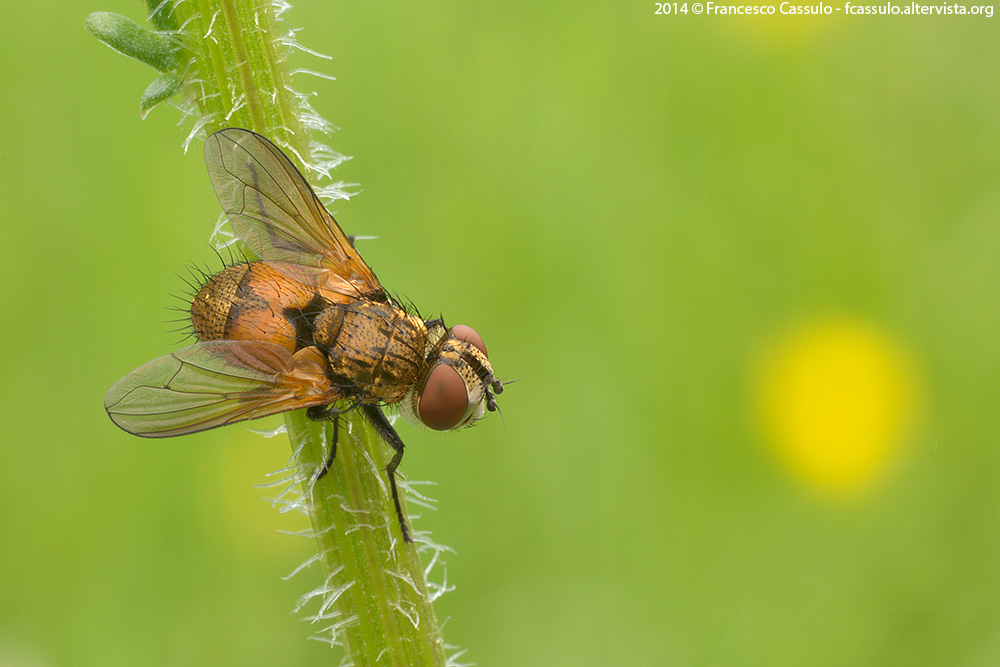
x,y
217,383
275,212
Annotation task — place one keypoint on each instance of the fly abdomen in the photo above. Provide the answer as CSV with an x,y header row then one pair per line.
x,y
251,302
211,305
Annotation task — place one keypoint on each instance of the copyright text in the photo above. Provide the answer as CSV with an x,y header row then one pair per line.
x,y
820,9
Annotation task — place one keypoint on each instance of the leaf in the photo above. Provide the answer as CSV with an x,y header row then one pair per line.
x,y
131,39
163,88
161,15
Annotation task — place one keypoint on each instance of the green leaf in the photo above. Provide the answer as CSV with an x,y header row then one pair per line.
x,y
131,39
161,15
163,88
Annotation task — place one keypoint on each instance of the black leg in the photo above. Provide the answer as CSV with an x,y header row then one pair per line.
x,y
385,430
331,414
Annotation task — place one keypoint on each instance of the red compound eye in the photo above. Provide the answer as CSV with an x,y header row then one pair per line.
x,y
469,335
444,399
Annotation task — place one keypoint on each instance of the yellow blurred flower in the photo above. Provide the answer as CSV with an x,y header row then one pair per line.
x,y
836,399
781,24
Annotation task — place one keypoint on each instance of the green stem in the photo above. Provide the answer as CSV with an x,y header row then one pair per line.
x,y
375,598
378,581
238,75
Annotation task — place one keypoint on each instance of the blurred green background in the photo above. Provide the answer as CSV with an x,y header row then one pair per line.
x,y
641,214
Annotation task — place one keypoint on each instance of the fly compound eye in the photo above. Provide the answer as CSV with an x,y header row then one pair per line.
x,y
470,336
444,399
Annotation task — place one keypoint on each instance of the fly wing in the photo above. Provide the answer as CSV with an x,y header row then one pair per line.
x,y
275,212
217,383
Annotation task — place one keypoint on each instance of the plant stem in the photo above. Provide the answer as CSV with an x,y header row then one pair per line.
x,y
378,583
375,598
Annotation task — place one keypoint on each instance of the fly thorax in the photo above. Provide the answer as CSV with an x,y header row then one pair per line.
x,y
375,349
328,325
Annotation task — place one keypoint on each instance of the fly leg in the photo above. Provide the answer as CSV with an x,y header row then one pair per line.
x,y
385,430
332,414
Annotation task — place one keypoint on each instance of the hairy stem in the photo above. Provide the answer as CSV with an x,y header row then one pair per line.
x,y
228,60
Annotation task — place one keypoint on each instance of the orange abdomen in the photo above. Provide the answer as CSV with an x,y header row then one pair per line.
x,y
254,302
